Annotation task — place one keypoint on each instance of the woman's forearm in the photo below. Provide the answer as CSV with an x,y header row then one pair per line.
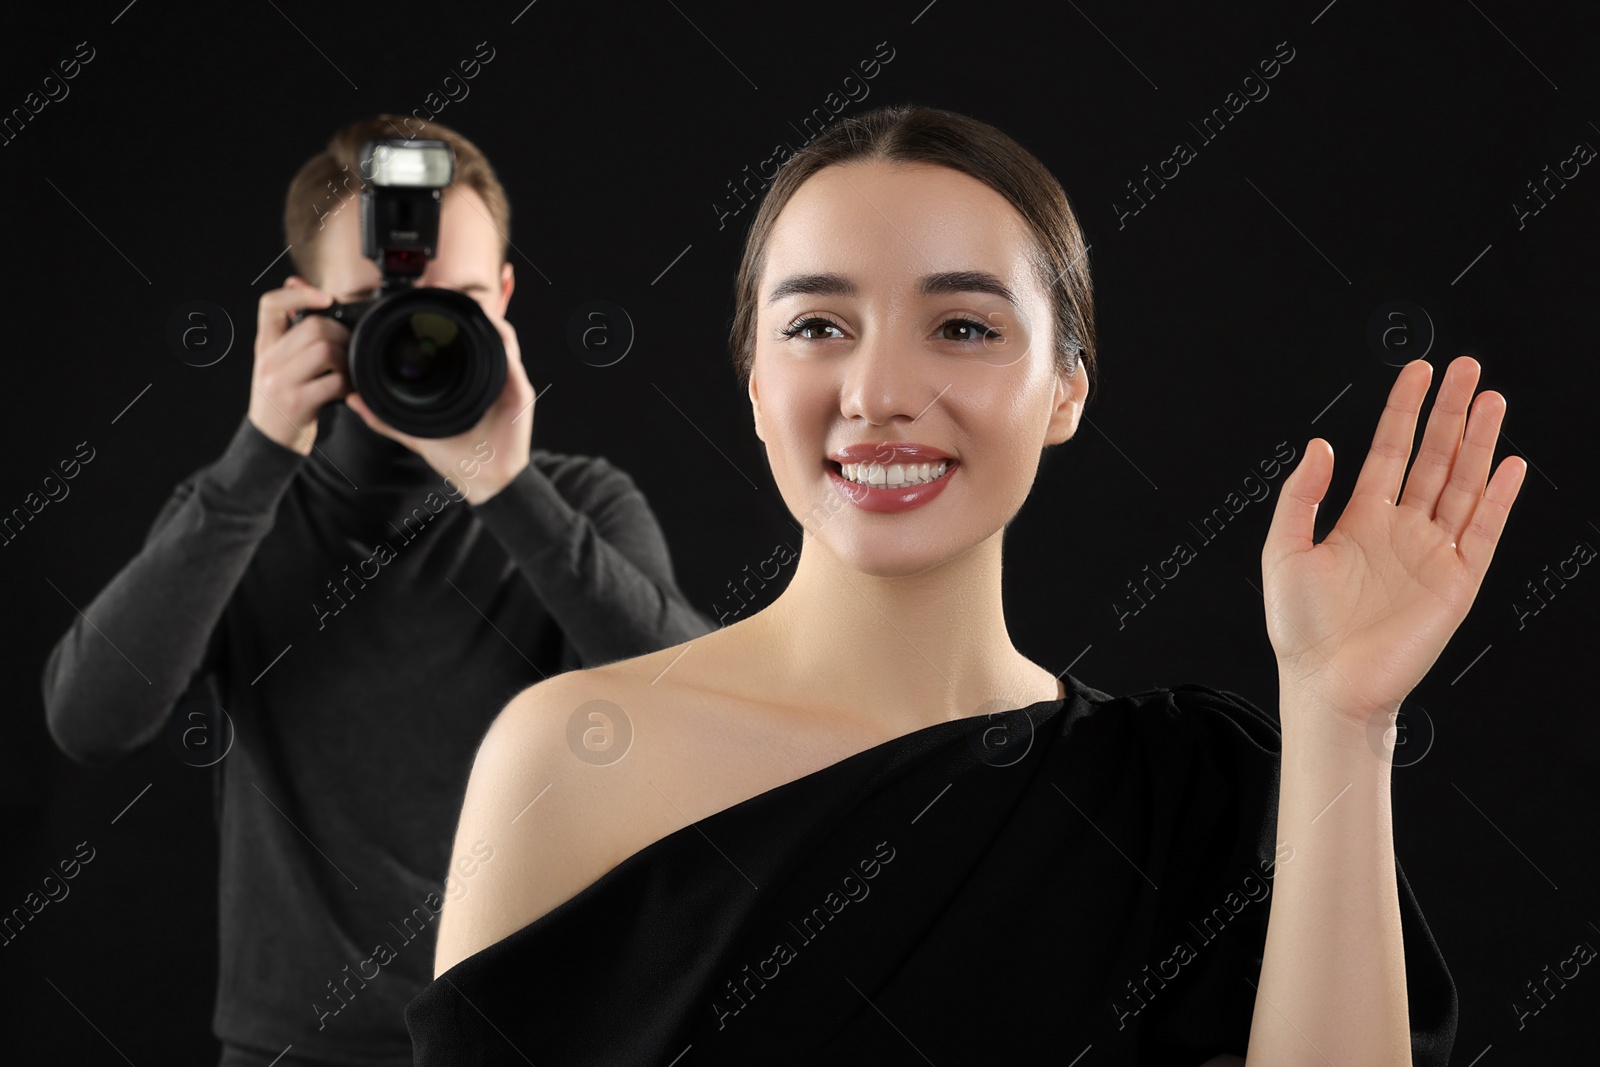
x,y
1333,983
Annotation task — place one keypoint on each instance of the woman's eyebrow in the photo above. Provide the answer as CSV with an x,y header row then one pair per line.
x,y
966,281
950,281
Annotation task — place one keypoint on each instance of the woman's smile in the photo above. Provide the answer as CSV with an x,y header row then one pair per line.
x,y
889,475
873,486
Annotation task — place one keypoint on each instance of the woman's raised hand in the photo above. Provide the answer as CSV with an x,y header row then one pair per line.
x,y
1357,620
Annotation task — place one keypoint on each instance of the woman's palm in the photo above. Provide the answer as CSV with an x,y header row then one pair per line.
x,y
1361,617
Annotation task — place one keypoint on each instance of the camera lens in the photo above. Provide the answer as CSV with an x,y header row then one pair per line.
x,y
423,359
427,361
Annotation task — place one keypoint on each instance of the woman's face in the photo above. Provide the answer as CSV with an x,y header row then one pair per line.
x,y
915,317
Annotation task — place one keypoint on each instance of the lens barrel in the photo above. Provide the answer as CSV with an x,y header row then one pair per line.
x,y
427,361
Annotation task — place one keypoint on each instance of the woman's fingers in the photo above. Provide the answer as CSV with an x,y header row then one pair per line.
x,y
1294,516
1449,482
1391,443
1464,488
1442,439
1477,543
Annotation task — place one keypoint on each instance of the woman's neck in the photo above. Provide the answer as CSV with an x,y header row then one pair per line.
x,y
898,652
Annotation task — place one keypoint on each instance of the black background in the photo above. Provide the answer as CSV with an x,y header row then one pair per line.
x,y
1233,314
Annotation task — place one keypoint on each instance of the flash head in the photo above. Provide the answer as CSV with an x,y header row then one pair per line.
x,y
407,162
400,206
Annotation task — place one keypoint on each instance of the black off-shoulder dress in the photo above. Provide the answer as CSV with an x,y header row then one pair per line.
x,y
1082,877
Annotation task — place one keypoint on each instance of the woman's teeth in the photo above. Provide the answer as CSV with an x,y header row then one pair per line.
x,y
895,474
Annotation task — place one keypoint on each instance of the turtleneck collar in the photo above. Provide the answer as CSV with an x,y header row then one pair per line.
x,y
353,460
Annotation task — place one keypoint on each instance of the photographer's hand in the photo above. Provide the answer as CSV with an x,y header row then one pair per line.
x,y
298,368
507,428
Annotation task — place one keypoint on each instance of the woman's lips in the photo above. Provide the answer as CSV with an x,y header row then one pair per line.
x,y
888,452
889,498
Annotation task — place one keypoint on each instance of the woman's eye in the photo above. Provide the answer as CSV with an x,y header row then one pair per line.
x,y
975,331
972,331
800,328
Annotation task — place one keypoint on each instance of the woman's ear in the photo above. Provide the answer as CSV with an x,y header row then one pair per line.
x,y
755,405
1071,389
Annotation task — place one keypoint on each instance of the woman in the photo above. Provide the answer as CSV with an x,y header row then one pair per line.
x,y
859,825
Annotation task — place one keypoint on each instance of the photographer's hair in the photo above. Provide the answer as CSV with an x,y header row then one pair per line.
x,y
332,179
908,134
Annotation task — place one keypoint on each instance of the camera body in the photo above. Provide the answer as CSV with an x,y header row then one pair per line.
x,y
426,360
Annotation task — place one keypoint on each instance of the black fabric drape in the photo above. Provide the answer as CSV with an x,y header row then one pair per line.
x,y
1094,872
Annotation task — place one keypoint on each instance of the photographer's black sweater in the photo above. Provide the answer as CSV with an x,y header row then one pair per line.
x,y
360,625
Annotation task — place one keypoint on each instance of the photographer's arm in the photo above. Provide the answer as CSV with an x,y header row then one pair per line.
x,y
592,549
114,677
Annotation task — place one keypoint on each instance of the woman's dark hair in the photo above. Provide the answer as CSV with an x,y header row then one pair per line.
x,y
906,134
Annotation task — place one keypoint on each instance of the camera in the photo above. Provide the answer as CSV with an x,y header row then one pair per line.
x,y
427,361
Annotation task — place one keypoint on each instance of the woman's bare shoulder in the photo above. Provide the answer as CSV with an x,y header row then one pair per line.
x,y
552,800
588,767
589,739
612,718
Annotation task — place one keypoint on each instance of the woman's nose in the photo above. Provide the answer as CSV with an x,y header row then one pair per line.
x,y
885,378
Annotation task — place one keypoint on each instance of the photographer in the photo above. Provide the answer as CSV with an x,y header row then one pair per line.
x,y
343,609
